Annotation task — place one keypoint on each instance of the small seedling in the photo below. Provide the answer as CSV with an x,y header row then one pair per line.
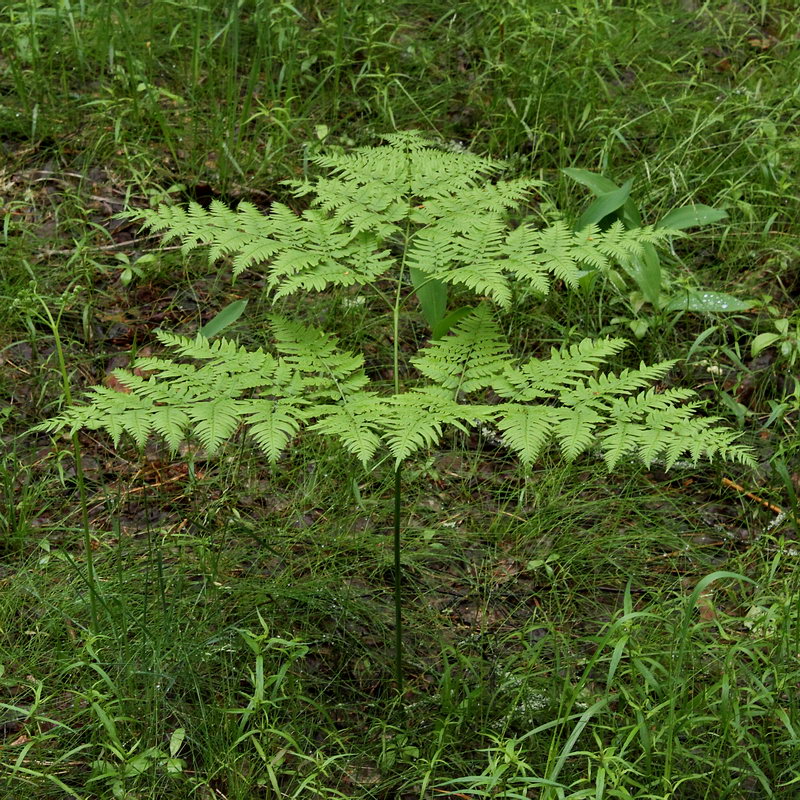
x,y
786,339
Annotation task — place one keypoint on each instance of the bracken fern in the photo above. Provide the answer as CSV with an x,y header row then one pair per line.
x,y
382,212
412,213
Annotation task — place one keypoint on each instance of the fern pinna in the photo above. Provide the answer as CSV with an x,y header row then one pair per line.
x,y
425,218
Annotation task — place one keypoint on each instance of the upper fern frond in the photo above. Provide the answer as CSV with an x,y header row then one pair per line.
x,y
413,164
566,254
245,232
564,369
411,198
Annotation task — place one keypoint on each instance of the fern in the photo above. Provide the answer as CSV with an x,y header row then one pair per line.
x,y
450,222
356,422
537,379
468,360
380,211
271,394
416,417
406,210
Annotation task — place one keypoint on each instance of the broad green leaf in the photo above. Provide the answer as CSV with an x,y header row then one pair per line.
x,y
778,411
691,216
706,302
444,326
176,740
630,215
227,316
606,203
646,271
762,341
639,327
597,184
432,296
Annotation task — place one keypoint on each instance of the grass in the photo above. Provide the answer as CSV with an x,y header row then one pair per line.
x,y
564,636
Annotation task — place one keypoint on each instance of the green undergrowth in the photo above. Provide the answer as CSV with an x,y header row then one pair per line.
x,y
550,636
569,634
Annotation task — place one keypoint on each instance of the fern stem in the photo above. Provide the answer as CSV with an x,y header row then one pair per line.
x,y
398,602
398,605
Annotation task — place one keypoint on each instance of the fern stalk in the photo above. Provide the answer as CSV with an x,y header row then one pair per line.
x,y
398,600
397,540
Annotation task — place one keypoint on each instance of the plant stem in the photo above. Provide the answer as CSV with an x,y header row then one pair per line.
x,y
87,536
398,606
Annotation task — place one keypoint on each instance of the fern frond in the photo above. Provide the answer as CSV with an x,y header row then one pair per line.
x,y
115,412
575,429
654,427
170,421
320,253
311,351
526,429
519,252
226,231
233,357
697,437
637,407
273,423
479,265
457,213
355,421
469,358
413,163
412,141
599,391
556,253
232,386
564,369
432,250
214,420
361,210
415,418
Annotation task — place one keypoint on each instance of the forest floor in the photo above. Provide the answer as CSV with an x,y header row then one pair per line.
x,y
569,633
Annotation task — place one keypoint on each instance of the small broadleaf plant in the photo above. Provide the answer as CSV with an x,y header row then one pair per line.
x,y
409,214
